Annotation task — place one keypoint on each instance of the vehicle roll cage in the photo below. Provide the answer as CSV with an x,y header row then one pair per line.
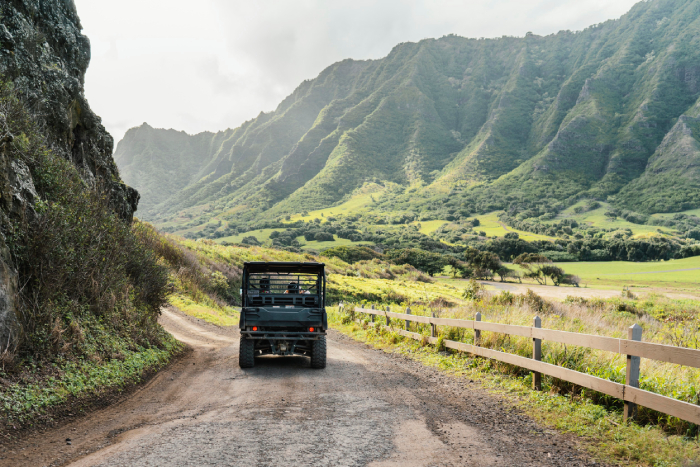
x,y
284,284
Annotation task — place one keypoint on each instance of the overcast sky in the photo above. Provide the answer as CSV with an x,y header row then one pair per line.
x,y
212,64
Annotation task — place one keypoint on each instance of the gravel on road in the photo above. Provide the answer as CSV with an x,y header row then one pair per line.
x,y
367,407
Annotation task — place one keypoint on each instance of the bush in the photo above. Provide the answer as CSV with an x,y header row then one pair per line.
x,y
91,285
85,271
473,290
323,237
535,302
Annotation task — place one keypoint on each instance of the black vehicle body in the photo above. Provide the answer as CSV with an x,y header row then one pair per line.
x,y
283,310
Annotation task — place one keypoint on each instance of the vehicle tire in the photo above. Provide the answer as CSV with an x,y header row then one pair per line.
x,y
246,353
318,353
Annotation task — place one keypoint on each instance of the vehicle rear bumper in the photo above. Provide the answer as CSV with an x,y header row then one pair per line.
x,y
283,319
283,335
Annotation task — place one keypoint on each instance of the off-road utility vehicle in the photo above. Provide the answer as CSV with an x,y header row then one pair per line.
x,y
283,312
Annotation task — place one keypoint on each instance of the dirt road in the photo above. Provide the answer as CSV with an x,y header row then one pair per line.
x,y
366,408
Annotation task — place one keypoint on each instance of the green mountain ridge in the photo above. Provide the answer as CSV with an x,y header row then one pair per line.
x,y
464,125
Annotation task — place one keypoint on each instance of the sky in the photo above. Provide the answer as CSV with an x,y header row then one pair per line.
x,y
213,64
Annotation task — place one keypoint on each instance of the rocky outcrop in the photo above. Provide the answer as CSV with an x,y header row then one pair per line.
x,y
44,56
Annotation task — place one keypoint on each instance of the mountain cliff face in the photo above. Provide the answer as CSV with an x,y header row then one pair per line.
x,y
163,162
510,123
43,58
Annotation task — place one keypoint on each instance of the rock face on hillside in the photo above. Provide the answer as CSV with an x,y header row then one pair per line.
x,y
44,56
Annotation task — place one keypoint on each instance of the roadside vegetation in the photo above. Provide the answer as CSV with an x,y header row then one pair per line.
x,y
359,276
204,278
655,440
600,427
90,288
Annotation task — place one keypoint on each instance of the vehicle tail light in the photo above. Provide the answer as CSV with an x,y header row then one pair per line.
x,y
311,329
255,328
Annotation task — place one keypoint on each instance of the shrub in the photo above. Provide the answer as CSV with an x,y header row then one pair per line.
x,y
323,237
473,290
85,271
91,284
504,298
535,302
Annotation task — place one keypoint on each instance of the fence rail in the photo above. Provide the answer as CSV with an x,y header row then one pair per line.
x,y
632,348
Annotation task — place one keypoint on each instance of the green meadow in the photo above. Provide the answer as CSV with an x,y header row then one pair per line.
x,y
674,274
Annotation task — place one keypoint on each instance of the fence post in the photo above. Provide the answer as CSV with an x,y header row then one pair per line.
x,y
408,323
634,333
372,316
388,320
537,355
477,332
432,327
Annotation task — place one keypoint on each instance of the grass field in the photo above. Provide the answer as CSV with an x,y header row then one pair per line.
x,y
357,203
668,274
401,290
493,228
262,235
428,227
692,212
318,246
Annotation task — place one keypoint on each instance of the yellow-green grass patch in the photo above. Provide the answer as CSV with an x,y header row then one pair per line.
x,y
319,246
262,235
428,227
358,202
490,224
226,317
690,212
674,273
412,291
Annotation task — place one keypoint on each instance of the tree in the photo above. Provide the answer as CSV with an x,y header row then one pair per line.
x,y
428,262
533,263
250,240
510,246
553,272
504,273
484,263
540,268
323,237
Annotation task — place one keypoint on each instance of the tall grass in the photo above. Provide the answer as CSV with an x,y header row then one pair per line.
x,y
610,317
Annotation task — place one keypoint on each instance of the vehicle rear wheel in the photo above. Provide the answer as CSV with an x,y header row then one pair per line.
x,y
246,353
318,353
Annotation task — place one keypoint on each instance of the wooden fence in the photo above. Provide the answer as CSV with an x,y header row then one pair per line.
x,y
633,348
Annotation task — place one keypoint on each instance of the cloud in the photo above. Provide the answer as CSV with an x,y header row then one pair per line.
x,y
213,64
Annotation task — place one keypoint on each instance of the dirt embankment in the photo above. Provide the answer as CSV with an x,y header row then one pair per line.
x,y
365,408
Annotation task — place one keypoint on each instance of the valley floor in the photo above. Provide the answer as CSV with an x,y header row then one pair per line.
x,y
367,408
